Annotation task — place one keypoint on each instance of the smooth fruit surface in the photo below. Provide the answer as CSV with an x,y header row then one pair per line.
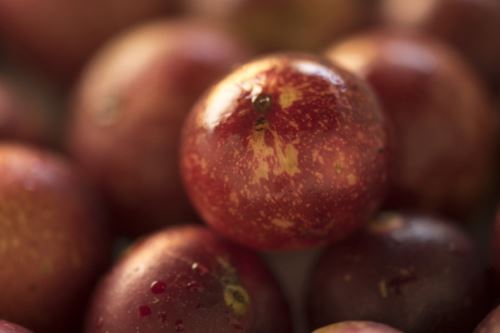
x,y
128,112
444,126
356,327
53,244
188,279
288,151
414,273
6,327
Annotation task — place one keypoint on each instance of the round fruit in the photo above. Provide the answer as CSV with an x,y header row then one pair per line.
x,y
6,327
52,242
414,273
59,35
357,327
444,126
19,120
288,151
286,24
188,279
491,324
129,110
471,26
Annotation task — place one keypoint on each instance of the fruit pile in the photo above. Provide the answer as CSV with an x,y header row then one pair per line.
x,y
249,166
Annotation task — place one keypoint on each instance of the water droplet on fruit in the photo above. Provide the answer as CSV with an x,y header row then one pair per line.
x,y
195,286
262,103
179,326
158,287
144,311
200,269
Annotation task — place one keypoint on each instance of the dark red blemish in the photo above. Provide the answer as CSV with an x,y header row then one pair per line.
x,y
195,286
199,306
396,284
179,326
144,311
236,324
158,287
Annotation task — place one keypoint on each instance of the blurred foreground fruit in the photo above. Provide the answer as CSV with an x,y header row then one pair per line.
x,y
6,327
357,327
490,324
471,26
286,24
286,152
58,36
128,113
188,279
52,241
444,126
417,274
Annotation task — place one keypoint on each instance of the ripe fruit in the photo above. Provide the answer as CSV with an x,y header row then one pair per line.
x,y
6,327
357,327
128,113
59,36
444,126
415,273
286,152
491,324
471,26
19,120
286,24
52,242
188,279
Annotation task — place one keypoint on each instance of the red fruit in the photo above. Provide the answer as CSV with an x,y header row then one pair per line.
x,y
286,24
444,126
357,327
288,151
19,120
6,327
128,113
188,279
52,242
417,274
470,26
490,324
59,36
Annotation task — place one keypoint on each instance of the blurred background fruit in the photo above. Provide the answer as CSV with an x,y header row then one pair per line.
x,y
53,243
490,324
357,327
6,327
444,126
188,279
128,112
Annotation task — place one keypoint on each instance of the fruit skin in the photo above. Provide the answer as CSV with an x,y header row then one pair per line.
x,y
286,152
128,113
444,127
188,279
357,327
490,324
19,119
470,26
286,24
414,273
58,36
6,327
53,244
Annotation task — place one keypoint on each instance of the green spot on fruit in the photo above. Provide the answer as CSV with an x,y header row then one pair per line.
x,y
262,103
237,298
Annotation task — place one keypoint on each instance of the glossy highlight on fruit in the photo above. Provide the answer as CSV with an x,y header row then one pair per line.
x,y
188,279
53,243
357,327
490,324
288,151
128,112
444,126
414,273
6,327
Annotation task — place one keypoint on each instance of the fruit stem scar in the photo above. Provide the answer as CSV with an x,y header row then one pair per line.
x,y
237,298
262,103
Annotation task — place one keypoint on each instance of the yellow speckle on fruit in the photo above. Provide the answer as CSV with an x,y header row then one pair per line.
x,y
237,298
288,96
284,224
352,179
386,223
